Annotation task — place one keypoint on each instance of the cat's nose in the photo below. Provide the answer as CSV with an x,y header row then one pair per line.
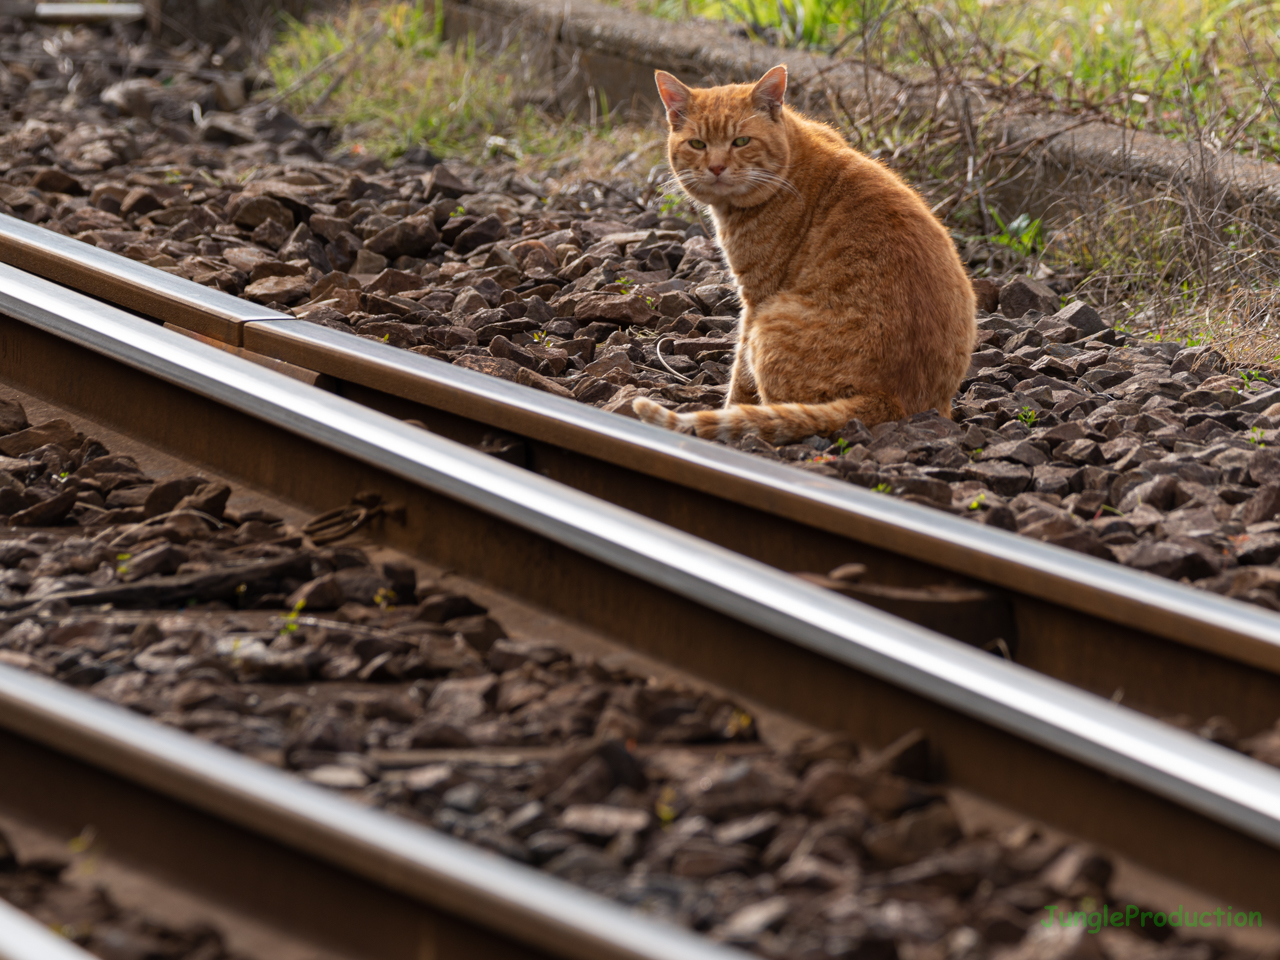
x,y
716,171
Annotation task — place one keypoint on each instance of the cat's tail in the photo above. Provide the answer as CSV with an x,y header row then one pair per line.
x,y
774,422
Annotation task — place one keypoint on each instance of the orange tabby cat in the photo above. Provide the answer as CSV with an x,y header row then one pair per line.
x,y
854,300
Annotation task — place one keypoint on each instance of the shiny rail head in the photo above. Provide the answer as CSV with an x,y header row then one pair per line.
x,y
1227,787
22,937
19,235
1062,576
465,880
1116,587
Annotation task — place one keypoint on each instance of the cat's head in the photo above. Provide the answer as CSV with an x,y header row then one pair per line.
x,y
727,145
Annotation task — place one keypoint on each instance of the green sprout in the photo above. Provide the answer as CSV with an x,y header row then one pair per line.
x,y
842,446
1256,436
882,488
291,618
1252,377
461,211
1021,235
1028,416
978,501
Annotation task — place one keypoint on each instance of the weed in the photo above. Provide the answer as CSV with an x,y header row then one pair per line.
x,y
290,624
1257,437
841,446
1022,235
383,78
1028,416
1253,377
882,488
977,502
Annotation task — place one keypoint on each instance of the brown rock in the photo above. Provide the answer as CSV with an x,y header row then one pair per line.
x,y
163,559
322,593
1022,294
53,180
1019,451
226,128
247,258
702,857
604,821
271,233
493,366
51,431
1264,467
620,308
912,835
987,293
1160,493
1006,479
140,201
740,788
485,230
250,212
1263,505
165,496
823,782
534,254
390,282
411,237
1166,559
286,290
1081,316
12,417
329,227
443,182
210,498
47,513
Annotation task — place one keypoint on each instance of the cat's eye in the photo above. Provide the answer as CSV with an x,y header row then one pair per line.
x,y
742,141
697,144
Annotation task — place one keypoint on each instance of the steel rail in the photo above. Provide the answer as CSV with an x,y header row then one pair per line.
x,y
1005,732
1168,649
24,938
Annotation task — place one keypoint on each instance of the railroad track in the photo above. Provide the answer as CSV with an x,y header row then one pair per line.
x,y
1016,736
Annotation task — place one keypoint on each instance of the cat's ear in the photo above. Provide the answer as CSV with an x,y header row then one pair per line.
x,y
674,94
770,89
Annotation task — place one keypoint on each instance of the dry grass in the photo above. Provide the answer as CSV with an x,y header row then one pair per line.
x,y
1171,263
382,76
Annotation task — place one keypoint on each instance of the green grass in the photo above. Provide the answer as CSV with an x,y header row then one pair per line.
x,y
1171,66
383,77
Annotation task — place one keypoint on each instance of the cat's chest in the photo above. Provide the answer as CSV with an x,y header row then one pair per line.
x,y
756,243
760,264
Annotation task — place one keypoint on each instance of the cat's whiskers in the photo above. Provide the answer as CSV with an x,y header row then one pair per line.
x,y
762,177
